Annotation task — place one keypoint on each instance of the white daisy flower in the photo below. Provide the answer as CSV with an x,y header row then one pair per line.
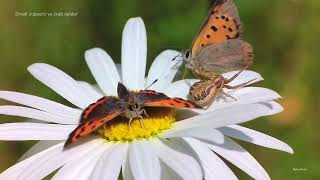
x,y
179,145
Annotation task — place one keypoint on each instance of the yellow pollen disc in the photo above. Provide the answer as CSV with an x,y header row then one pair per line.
x,y
159,119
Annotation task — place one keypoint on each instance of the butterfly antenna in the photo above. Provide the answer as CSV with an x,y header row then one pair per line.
x,y
175,65
178,61
151,84
179,55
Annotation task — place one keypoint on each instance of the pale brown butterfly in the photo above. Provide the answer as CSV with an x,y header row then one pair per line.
x,y
216,49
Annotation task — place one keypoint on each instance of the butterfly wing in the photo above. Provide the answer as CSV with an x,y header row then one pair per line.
x,y
103,106
155,99
95,115
90,126
222,23
226,56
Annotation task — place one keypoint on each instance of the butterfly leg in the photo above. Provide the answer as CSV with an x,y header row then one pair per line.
x,y
144,112
240,85
129,125
139,114
140,121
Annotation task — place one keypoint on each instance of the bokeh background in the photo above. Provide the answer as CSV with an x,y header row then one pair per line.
x,y
284,34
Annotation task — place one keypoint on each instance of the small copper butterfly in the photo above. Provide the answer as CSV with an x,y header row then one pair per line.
x,y
216,49
128,104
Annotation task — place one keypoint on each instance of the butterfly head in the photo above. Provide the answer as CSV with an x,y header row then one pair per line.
x,y
190,60
186,55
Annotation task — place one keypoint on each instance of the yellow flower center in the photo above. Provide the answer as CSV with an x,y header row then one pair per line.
x,y
158,119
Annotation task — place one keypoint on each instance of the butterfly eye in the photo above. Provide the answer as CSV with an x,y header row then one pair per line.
x,y
187,54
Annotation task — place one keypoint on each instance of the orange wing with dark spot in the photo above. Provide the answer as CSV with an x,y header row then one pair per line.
x,y
95,115
88,127
222,23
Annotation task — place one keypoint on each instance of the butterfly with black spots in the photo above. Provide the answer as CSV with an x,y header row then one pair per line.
x,y
128,104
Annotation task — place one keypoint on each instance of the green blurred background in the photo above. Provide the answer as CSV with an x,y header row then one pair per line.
x,y
284,34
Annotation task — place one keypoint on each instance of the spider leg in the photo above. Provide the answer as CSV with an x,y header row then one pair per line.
x,y
228,95
240,85
226,81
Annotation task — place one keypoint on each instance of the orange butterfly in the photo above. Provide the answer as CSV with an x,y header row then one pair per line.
x,y
130,105
217,49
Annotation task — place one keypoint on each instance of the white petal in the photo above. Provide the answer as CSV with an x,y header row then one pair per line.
x,y
47,161
119,69
214,167
179,88
82,167
200,133
184,165
109,165
40,103
61,83
245,95
227,116
134,54
126,168
91,90
38,147
103,69
36,114
167,173
163,69
255,137
241,158
35,121
144,163
34,131
243,77
275,108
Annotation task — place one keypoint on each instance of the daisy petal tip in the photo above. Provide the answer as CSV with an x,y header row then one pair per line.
x,y
275,95
254,74
135,20
36,69
134,23
93,51
288,149
94,54
34,66
277,108
171,52
274,108
279,96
